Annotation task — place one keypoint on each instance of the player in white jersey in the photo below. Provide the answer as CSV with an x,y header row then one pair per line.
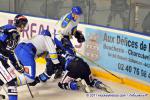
x,y
27,51
66,28
63,32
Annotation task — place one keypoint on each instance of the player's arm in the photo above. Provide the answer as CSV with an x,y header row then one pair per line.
x,y
51,49
15,63
3,50
78,35
60,29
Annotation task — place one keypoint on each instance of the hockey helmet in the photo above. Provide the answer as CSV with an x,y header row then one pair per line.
x,y
20,21
76,10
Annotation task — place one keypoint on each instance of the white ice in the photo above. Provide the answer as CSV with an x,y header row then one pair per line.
x,y
50,91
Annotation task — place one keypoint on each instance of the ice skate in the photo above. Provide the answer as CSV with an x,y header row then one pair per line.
x,y
83,85
104,87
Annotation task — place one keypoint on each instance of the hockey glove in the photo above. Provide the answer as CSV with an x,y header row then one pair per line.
x,y
79,36
36,81
65,42
58,70
20,69
59,51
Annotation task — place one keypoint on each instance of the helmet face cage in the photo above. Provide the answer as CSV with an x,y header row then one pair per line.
x,y
77,10
20,21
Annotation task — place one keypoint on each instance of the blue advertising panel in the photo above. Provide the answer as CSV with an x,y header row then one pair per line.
x,y
122,53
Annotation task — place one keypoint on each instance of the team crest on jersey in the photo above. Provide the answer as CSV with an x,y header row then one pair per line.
x,y
65,22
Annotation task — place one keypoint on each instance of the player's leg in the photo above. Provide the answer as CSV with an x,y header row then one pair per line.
x,y
64,44
7,76
26,54
73,83
58,42
68,83
89,79
52,70
12,90
48,71
70,49
1,85
59,68
99,85
75,77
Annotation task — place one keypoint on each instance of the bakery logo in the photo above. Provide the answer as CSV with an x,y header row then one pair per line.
x,y
92,47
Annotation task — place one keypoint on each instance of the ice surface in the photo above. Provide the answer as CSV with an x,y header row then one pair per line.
x,y
50,91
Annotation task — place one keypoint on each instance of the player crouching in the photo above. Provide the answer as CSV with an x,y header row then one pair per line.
x,y
78,76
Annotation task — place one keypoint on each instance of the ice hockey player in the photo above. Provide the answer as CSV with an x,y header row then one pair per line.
x,y
52,70
63,32
9,38
27,51
66,28
78,75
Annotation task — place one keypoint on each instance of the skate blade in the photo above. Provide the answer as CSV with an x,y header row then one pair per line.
x,y
85,87
107,89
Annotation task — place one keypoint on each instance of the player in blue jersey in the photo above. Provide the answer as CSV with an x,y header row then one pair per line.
x,y
27,51
9,38
78,76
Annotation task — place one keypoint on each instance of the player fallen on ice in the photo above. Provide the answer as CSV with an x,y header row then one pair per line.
x,y
27,51
78,75
9,38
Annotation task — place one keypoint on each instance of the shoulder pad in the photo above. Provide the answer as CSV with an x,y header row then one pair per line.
x,y
1,30
9,27
2,35
66,20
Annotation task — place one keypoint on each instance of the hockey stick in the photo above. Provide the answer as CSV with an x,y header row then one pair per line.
x,y
25,78
4,89
94,62
29,89
17,73
98,65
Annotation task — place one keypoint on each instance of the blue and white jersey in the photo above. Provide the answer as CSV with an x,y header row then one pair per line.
x,y
44,43
9,38
66,26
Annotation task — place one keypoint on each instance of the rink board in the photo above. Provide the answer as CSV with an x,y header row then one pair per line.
x,y
126,54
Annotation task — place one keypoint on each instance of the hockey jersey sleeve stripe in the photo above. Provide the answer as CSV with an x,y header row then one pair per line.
x,y
53,56
51,49
52,53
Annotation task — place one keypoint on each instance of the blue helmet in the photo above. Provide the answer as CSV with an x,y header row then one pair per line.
x,y
76,10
